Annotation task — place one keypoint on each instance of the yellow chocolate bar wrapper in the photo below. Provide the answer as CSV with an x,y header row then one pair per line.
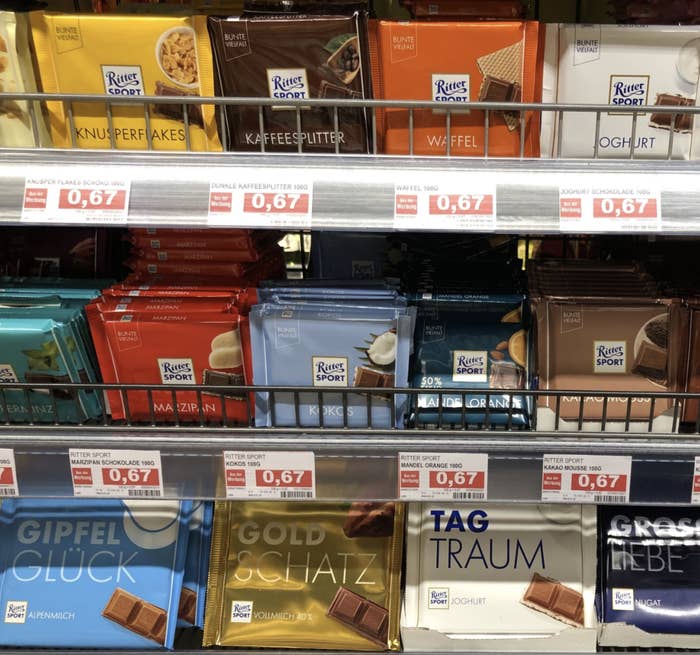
x,y
305,575
16,75
122,55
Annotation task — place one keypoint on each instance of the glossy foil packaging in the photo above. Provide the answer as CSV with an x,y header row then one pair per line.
x,y
305,575
453,63
295,57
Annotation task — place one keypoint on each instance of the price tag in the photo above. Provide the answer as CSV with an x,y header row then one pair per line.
x,y
116,473
455,202
695,494
79,198
8,473
258,474
443,476
251,202
586,478
602,207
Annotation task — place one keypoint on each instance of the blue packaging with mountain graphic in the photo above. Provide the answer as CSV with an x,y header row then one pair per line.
x,y
87,573
194,586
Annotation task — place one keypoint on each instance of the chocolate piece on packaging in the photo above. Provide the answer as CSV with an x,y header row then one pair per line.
x,y
554,599
222,379
664,121
136,615
194,112
650,362
188,606
496,90
367,519
367,377
506,375
360,614
330,90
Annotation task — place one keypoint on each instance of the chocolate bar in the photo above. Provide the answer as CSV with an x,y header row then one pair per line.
x,y
497,90
681,122
367,377
650,362
194,112
330,90
554,599
221,379
188,605
505,375
370,520
361,615
135,614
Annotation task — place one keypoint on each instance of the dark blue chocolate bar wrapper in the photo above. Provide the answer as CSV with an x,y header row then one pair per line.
x,y
649,568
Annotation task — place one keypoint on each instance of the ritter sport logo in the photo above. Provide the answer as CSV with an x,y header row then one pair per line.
x,y
123,80
287,83
448,87
176,371
330,371
609,357
629,90
469,366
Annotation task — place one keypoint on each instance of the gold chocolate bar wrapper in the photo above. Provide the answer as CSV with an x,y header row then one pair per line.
x,y
123,56
305,575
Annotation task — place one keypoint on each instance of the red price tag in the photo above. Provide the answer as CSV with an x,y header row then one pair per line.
x,y
283,478
601,482
6,476
460,204
456,479
276,203
92,199
130,477
617,207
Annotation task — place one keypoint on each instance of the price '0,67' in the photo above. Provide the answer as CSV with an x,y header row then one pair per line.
x,y
294,203
73,198
625,208
129,476
599,482
462,203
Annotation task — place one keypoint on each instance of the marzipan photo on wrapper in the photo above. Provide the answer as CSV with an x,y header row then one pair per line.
x,y
123,55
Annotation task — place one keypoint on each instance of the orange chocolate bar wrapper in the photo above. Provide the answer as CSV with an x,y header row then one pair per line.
x,y
408,60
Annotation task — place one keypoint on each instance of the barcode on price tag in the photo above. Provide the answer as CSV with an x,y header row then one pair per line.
x,y
8,473
695,493
599,206
116,473
454,202
267,475
81,198
586,478
253,202
443,476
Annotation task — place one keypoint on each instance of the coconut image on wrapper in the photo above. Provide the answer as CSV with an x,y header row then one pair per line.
x,y
380,357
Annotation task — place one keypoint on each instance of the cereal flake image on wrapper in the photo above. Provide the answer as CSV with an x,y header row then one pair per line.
x,y
87,54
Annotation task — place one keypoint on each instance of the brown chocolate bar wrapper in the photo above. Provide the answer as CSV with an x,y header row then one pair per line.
x,y
554,599
135,614
292,57
322,590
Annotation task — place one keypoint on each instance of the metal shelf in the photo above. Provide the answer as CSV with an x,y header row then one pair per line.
x,y
350,192
358,191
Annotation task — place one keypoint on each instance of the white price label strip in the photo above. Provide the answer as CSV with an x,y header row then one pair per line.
x,y
80,198
586,478
454,202
116,473
259,474
253,202
600,206
8,473
443,476
695,494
